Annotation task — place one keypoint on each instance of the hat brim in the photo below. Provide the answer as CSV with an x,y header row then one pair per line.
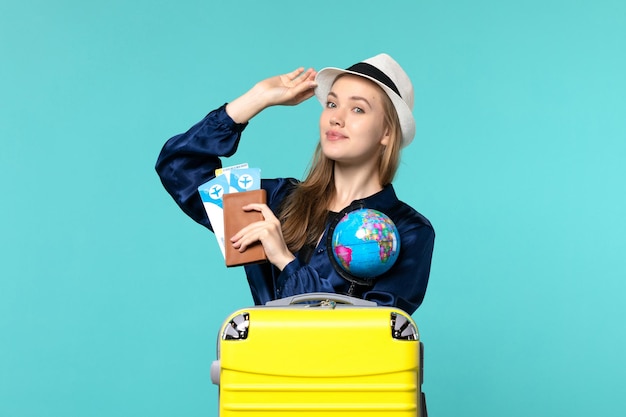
x,y
326,77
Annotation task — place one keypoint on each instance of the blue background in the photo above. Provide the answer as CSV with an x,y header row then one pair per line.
x,y
110,298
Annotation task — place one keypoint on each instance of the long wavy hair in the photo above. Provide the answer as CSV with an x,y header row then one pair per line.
x,y
304,212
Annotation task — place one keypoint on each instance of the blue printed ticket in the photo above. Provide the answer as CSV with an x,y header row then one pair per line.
x,y
233,179
245,179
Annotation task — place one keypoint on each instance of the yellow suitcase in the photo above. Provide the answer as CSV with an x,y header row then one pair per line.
x,y
319,354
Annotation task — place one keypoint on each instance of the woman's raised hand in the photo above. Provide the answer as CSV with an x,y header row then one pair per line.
x,y
287,89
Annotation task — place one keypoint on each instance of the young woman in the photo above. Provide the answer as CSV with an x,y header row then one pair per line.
x,y
366,120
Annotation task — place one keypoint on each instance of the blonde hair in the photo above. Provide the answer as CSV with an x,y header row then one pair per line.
x,y
304,212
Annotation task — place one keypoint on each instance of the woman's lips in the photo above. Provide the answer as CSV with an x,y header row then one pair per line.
x,y
334,135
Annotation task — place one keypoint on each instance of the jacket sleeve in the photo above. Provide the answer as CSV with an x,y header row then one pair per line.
x,y
190,159
298,278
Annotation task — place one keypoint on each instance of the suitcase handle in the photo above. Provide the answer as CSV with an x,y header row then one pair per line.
x,y
320,296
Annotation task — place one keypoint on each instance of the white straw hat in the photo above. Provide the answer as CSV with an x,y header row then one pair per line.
x,y
388,74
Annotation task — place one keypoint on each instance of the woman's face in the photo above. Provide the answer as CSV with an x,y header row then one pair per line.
x,y
352,128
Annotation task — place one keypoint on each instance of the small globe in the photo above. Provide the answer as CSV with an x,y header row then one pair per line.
x,y
365,244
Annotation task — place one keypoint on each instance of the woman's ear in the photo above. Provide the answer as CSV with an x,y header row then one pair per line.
x,y
386,137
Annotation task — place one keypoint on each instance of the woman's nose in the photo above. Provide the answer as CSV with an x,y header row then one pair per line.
x,y
336,120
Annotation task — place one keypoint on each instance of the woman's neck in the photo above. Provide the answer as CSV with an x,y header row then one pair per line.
x,y
353,185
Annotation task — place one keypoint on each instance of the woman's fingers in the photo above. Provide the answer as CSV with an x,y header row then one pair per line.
x,y
257,230
268,232
299,85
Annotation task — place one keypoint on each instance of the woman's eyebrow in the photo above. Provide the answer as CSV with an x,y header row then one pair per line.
x,y
358,98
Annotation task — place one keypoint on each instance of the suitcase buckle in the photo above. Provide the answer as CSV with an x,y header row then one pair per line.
x,y
328,303
323,303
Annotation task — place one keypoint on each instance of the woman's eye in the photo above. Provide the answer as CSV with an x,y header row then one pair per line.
x,y
330,104
358,110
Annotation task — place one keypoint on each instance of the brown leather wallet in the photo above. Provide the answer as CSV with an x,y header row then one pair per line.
x,y
235,219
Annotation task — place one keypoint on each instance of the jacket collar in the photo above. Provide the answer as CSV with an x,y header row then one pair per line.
x,y
383,200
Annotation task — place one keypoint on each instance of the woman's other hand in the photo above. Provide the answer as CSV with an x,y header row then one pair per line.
x,y
268,232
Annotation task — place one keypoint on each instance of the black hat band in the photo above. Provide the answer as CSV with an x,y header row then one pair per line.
x,y
371,71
